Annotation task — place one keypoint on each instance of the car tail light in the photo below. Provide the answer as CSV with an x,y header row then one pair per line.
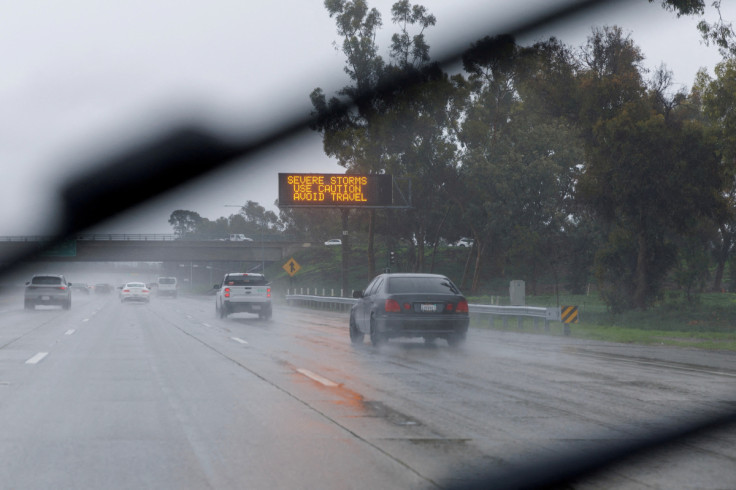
x,y
268,293
449,307
145,290
62,287
462,307
392,306
227,292
126,290
407,306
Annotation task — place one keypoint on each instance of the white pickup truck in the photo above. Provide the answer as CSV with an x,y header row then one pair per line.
x,y
243,292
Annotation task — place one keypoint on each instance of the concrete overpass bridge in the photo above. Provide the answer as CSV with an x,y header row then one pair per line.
x,y
151,248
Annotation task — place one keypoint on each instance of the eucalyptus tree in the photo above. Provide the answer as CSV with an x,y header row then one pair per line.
x,y
488,98
717,105
649,176
185,222
518,161
720,32
399,132
349,136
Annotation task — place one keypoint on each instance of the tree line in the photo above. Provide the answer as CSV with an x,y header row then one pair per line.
x,y
572,163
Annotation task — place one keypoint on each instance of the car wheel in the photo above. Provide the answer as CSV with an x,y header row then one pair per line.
x,y
68,304
456,339
377,338
223,311
28,305
356,336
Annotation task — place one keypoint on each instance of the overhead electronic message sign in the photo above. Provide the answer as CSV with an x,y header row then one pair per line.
x,y
335,190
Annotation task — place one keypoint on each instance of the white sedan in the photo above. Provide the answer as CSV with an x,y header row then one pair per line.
x,y
333,241
135,291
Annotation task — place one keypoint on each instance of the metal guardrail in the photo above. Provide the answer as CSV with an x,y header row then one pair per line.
x,y
552,314
334,303
537,313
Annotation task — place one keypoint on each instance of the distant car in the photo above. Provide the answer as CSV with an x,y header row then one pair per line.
x,y
135,291
47,289
80,287
102,288
464,242
239,237
166,286
410,305
333,241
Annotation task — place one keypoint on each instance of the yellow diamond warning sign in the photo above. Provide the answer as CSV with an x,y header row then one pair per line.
x,y
291,267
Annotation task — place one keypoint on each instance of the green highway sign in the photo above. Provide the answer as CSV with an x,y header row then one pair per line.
x,y
66,248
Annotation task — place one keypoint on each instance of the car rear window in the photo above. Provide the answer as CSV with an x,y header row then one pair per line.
x,y
245,281
135,285
399,285
45,280
167,280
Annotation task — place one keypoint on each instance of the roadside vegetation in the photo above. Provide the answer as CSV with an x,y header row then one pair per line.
x,y
708,323
573,168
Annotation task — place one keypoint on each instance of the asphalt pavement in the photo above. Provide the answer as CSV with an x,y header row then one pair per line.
x,y
166,395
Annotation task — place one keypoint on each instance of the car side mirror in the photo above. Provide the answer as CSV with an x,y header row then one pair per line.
x,y
68,284
357,294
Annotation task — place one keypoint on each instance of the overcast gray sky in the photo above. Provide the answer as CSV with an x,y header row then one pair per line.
x,y
82,76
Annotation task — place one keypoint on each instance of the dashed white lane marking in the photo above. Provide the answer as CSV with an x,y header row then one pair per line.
x,y
69,332
85,320
37,358
207,325
239,340
316,377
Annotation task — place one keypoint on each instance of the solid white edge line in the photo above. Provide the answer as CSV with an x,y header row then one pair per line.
x,y
69,332
239,340
316,377
37,358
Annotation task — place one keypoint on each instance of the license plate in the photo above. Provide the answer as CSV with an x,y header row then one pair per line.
x,y
45,298
256,307
429,308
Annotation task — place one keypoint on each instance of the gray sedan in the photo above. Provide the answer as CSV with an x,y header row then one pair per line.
x,y
410,305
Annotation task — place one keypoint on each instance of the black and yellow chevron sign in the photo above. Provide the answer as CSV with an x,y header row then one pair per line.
x,y
569,314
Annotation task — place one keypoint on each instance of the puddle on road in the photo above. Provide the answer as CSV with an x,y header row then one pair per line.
x,y
378,409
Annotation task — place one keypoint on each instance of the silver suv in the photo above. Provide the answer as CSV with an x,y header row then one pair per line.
x,y
242,292
166,287
48,289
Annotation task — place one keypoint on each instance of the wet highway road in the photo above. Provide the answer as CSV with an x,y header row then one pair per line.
x,y
168,396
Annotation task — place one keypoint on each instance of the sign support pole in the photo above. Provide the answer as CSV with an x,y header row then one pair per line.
x,y
345,249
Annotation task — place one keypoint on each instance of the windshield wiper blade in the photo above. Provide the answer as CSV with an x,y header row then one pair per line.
x,y
568,468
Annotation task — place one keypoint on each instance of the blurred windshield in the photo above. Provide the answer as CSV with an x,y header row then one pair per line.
x,y
570,167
